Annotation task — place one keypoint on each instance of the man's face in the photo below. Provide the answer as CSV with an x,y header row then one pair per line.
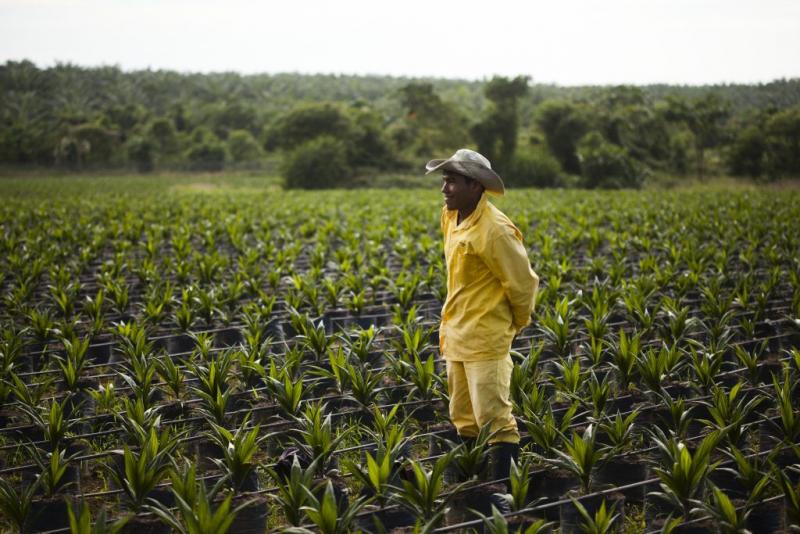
x,y
460,193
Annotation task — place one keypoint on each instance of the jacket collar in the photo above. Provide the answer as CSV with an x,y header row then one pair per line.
x,y
474,216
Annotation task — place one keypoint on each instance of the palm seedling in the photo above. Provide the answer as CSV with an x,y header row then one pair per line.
x,y
81,522
48,417
526,372
316,436
727,517
731,410
198,511
16,505
238,449
679,417
203,345
95,309
791,496
789,419
705,368
208,304
498,524
105,398
52,469
519,481
249,361
137,418
683,474
414,338
657,367
42,323
595,350
288,393
581,458
545,430
326,515
213,389
556,327
360,343
619,431
184,315
172,376
470,458
335,372
141,471
422,494
599,393
625,353
139,375
73,363
363,383
570,377
293,489
601,522
426,381
599,306
382,468
10,350
678,324
635,302
750,472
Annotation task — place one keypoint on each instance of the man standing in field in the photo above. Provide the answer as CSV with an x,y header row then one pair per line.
x,y
491,292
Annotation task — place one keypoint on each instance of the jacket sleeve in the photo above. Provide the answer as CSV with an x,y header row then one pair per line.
x,y
508,261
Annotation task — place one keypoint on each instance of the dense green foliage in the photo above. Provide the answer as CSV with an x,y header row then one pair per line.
x,y
228,355
75,118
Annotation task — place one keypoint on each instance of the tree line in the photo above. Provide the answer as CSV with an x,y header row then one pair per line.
x,y
324,130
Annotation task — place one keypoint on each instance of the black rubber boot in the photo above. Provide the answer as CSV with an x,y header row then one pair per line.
x,y
501,460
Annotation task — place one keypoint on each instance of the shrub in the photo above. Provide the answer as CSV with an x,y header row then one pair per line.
x,y
142,153
605,165
534,167
317,164
242,146
207,155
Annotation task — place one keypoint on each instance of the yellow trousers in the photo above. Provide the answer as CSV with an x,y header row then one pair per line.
x,y
479,394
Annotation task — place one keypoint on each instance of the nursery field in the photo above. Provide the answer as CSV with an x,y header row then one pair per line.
x,y
198,357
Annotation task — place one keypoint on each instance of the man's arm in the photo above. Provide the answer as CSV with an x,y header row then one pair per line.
x,y
508,261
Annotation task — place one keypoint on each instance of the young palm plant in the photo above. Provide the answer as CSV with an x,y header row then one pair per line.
x,y
238,449
16,505
422,494
81,522
581,458
293,489
684,474
196,511
325,513
141,471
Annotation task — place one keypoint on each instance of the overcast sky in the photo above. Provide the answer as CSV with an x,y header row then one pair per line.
x,y
567,42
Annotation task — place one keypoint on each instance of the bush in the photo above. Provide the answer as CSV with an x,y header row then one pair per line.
x,y
306,122
242,146
534,167
206,155
607,166
317,164
746,156
141,152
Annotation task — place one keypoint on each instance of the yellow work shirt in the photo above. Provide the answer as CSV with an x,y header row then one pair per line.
x,y
491,288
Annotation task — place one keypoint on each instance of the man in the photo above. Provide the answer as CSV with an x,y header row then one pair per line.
x,y
491,292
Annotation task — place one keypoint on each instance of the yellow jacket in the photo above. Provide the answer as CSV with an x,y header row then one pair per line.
x,y
491,288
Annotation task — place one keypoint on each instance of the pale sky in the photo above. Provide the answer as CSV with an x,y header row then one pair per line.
x,y
568,42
